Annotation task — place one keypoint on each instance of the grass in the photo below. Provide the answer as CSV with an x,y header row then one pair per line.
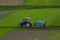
x,y
42,2
55,36
50,15
3,31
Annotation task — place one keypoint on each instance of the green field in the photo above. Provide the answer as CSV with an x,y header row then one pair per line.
x,y
42,2
50,15
4,31
55,36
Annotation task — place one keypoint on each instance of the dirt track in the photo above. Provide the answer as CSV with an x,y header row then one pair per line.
x,y
11,2
29,34
4,14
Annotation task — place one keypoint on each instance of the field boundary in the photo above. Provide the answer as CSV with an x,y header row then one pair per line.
x,y
16,27
28,7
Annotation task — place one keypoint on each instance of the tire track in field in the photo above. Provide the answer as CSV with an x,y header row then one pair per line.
x,y
56,20
52,16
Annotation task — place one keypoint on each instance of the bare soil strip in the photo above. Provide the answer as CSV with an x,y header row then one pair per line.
x,y
29,34
11,2
4,14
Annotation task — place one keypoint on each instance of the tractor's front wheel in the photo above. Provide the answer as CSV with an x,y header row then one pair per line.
x,y
28,25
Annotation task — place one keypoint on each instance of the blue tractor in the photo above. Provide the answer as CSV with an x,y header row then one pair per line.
x,y
25,23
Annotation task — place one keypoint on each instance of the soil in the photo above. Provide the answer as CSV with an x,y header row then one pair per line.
x,y
29,34
4,14
11,2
